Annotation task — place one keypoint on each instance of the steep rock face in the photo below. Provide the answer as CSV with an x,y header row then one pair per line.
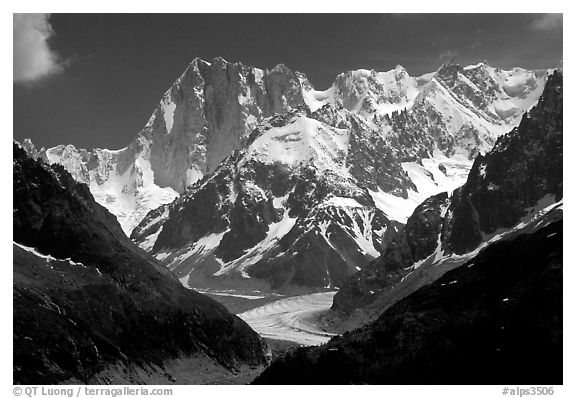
x,y
207,113
514,185
86,298
488,322
313,196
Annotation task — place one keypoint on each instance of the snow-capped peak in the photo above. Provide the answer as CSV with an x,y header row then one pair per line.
x,y
212,108
207,113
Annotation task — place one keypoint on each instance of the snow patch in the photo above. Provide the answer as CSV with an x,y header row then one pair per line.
x,y
203,245
46,257
343,202
317,99
150,240
35,252
228,294
302,141
193,175
168,109
395,207
429,181
276,231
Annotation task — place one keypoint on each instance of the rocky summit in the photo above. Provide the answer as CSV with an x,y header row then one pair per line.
x,y
209,111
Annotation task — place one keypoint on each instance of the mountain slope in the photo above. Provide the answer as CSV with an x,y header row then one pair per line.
x,y
91,307
511,188
313,196
491,321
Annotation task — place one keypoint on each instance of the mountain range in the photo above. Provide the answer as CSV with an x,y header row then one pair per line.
x,y
212,108
315,192
417,199
255,176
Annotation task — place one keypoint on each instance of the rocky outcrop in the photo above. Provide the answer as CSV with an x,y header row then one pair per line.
x,y
87,299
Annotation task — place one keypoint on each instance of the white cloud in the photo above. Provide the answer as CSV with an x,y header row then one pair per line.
x,y
33,58
547,22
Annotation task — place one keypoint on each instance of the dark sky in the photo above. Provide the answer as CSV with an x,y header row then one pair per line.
x,y
115,68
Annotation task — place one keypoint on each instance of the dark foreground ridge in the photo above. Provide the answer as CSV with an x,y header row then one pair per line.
x,y
495,320
99,302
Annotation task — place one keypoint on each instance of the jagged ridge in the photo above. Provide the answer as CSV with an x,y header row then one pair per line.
x,y
212,108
